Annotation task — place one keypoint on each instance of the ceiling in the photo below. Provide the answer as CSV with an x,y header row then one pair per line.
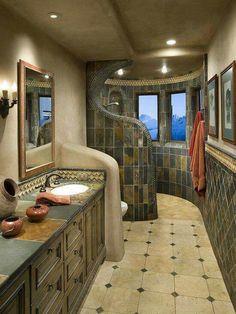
x,y
129,29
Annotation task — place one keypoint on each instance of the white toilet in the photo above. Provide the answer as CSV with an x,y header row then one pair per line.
x,y
124,208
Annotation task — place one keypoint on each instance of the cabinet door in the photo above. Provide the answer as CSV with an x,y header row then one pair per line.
x,y
16,299
90,229
100,223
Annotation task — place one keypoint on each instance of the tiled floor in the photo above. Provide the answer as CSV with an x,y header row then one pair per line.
x,y
168,267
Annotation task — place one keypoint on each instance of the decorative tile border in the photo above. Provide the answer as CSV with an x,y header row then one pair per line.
x,y
88,175
222,157
169,80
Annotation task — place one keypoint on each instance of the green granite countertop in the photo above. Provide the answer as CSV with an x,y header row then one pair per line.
x,y
16,252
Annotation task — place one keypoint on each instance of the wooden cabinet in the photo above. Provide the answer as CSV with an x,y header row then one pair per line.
x,y
16,298
63,270
100,223
50,293
73,233
89,221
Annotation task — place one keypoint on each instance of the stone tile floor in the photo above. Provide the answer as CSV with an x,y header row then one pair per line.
x,y
168,267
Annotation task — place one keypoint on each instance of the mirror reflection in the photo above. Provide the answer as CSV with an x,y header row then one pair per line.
x,y
36,119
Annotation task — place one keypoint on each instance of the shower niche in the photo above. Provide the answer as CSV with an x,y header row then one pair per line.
x,y
115,102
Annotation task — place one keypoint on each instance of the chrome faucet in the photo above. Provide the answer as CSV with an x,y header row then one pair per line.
x,y
47,182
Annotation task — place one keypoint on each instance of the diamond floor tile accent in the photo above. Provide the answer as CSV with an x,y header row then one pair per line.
x,y
140,290
144,270
99,310
175,294
205,277
115,267
201,260
173,257
146,255
174,273
108,285
198,246
125,240
148,242
173,244
210,299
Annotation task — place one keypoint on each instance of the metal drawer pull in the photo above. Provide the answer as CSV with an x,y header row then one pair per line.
x,y
75,223
50,287
76,280
76,252
50,250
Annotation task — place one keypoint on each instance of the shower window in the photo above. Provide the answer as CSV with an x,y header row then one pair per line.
x,y
148,113
178,121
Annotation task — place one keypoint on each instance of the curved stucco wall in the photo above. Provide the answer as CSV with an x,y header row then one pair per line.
x,y
77,156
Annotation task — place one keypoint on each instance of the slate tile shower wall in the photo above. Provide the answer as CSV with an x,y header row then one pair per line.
x,y
125,139
171,160
219,215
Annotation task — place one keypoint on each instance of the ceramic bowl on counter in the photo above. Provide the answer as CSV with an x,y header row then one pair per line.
x,y
11,226
37,212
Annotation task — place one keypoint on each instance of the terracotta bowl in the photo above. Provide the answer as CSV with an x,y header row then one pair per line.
x,y
37,212
11,226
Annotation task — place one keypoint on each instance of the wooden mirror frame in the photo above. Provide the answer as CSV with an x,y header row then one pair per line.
x,y
23,172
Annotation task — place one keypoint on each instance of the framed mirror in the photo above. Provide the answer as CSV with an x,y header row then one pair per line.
x,y
36,120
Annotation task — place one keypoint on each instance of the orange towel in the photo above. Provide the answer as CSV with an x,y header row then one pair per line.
x,y
50,199
194,132
197,165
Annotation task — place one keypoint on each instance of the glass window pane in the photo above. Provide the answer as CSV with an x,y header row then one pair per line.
x,y
178,126
148,113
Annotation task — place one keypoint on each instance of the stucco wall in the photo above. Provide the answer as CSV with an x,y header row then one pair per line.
x,y
19,40
221,52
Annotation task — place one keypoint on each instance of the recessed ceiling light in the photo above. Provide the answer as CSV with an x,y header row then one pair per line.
x,y
171,42
120,72
164,69
53,15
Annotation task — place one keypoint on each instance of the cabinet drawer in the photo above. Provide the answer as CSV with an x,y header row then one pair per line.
x,y
74,288
46,262
16,298
73,233
74,261
50,295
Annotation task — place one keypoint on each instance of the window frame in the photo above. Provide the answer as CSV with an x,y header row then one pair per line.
x,y
158,111
173,93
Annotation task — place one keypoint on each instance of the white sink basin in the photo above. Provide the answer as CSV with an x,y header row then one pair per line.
x,y
70,189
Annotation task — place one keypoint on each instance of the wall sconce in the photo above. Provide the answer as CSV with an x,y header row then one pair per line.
x,y
5,105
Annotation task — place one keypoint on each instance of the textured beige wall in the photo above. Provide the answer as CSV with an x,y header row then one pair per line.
x,y
20,41
221,52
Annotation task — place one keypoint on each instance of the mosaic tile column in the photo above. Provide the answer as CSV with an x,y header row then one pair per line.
x,y
124,138
164,117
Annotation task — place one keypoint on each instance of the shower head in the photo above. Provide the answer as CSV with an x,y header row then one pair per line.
x,y
113,103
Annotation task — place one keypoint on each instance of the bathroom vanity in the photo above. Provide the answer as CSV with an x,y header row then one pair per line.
x,y
50,265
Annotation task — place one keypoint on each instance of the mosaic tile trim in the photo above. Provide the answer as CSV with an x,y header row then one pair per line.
x,y
170,80
39,84
222,157
91,175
